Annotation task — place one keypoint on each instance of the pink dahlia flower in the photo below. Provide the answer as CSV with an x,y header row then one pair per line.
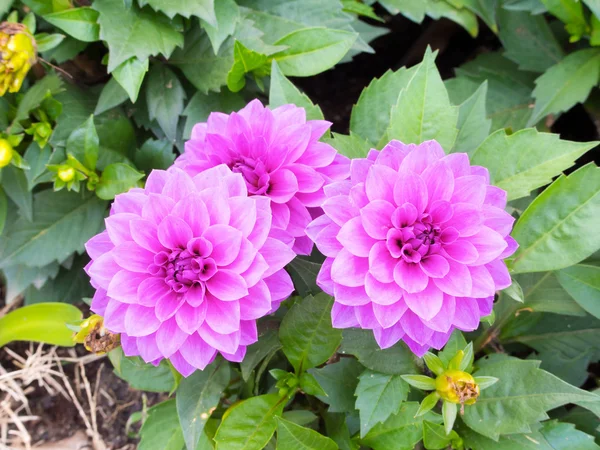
x,y
279,155
414,244
186,266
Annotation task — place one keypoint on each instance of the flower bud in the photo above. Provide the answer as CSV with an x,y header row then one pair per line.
x,y
66,174
17,55
456,386
95,337
6,153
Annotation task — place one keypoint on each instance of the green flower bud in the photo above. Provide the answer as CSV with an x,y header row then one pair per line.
x,y
6,153
66,174
456,386
17,54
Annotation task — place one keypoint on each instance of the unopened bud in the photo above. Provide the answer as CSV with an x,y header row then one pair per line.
x,y
66,174
6,153
456,386
17,55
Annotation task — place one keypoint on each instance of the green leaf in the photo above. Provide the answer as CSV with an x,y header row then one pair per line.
x,y
283,91
143,376
294,437
543,293
204,9
594,5
115,179
45,41
352,146
66,50
337,429
565,84
515,292
313,50
18,278
227,15
397,359
44,322
165,97
3,209
306,333
201,105
35,95
527,159
339,381
63,223
371,114
553,232
249,425
132,32
520,399
130,75
582,282
300,416
473,124
434,363
415,11
456,343
310,385
486,9
16,187
437,9
161,430
360,9
528,40
304,274
378,396
112,95
428,403
532,6
569,12
197,396
245,61
423,110
449,412
155,154
420,382
435,437
84,144
81,23
401,431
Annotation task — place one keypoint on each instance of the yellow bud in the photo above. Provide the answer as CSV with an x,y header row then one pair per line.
x,y
6,153
17,54
66,174
95,337
456,386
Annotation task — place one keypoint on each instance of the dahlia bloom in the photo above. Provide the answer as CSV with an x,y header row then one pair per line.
x,y
186,266
414,244
279,155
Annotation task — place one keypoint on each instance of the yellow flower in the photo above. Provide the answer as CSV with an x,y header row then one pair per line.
x,y
66,174
456,386
6,153
95,337
18,53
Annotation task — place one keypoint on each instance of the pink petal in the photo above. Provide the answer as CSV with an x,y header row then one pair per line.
x,y
348,269
327,241
469,189
256,270
124,286
195,295
498,220
226,242
389,315
365,316
263,221
377,218
223,317
435,266
114,315
238,356
299,217
244,259
282,186
140,321
117,227
499,273
317,154
227,343
381,263
181,365
440,211
393,154
308,178
494,196
415,347
150,290
457,281
168,305
193,212
410,277
129,345
382,293
132,257
324,280
422,156
343,316
466,316
415,328
467,219
257,303
276,254
350,296
379,184
462,251
99,302
355,239
169,337
98,245
147,347
387,337
443,319
410,188
156,181
129,202
439,180
340,209
189,318
483,283
489,244
103,269
144,233
178,184
174,233
217,204
157,207
458,164
243,214
197,352
227,285
280,285
427,303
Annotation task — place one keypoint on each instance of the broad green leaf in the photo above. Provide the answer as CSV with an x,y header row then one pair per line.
x,y
161,430
486,9
553,232
3,209
473,124
283,91
582,282
249,425
267,344
201,105
378,396
533,6
306,333
37,159
360,9
245,61
371,114
401,431
437,9
16,187
415,11
435,437
313,50
339,381
143,376
115,179
528,40
204,9
197,396
543,293
155,154
45,41
131,32
84,144
19,278
165,97
63,223
205,70
567,83
227,14
300,416
294,437
584,420
397,359
423,110
337,429
352,146
130,75
551,435
81,23
44,322
66,50
527,159
112,95
304,275
520,399
310,386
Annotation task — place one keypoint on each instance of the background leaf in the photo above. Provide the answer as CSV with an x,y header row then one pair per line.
x,y
161,430
339,381
165,97
282,92
582,282
294,437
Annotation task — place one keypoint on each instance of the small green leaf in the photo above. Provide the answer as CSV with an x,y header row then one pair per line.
x,y
485,382
467,358
420,382
161,430
45,41
15,185
267,344
204,9
245,61
115,179
294,437
455,343
130,75
165,97
141,375
428,404
84,144
310,385
434,363
515,292
462,16
81,23
449,411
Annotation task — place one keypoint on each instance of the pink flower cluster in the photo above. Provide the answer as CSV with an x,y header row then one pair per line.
x,y
413,240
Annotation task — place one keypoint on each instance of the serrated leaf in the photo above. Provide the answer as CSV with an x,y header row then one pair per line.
x,y
377,397
351,146
245,61
360,9
473,124
527,159
423,110
306,333
130,75
397,359
155,154
115,179
131,32
165,97
161,430
81,23
294,437
528,40
582,282
16,187
533,6
201,105
551,231
339,381
520,399
337,429
249,425
371,114
486,9
63,222
415,11
197,396
282,91
144,376
204,9
227,14
112,95
437,9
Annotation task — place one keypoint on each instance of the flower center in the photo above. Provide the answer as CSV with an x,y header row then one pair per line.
x,y
254,173
414,242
